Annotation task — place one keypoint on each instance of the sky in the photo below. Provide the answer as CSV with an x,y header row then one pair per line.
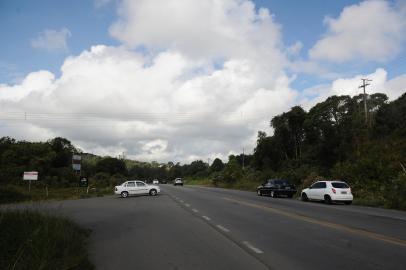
x,y
181,80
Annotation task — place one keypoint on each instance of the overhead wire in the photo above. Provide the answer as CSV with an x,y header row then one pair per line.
x,y
106,119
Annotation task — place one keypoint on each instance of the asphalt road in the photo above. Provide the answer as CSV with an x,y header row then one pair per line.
x,y
206,228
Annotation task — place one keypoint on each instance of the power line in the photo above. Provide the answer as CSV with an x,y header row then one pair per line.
x,y
101,118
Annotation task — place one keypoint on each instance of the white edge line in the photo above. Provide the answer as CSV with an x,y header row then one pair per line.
x,y
195,210
256,250
206,217
223,228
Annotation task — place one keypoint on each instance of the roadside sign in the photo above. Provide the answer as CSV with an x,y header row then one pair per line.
x,y
76,167
30,176
76,162
83,181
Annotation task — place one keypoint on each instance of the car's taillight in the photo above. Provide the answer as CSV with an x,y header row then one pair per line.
x,y
334,190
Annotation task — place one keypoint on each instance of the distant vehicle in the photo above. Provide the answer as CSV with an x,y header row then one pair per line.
x,y
155,182
329,192
178,182
164,182
136,187
276,188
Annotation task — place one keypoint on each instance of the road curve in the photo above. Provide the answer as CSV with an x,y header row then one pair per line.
x,y
208,228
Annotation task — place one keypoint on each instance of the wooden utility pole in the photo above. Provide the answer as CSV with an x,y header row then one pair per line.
x,y
364,86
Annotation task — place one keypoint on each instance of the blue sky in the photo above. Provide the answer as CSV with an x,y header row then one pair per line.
x,y
182,80
21,21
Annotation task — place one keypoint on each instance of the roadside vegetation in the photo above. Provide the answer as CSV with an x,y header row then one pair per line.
x,y
17,193
31,240
335,139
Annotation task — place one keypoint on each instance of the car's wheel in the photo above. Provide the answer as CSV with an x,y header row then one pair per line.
x,y
259,193
153,192
348,202
273,194
304,197
327,199
124,194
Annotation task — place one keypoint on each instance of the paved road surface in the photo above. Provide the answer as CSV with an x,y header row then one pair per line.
x,y
206,228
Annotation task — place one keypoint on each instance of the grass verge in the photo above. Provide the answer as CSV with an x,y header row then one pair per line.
x,y
32,240
239,185
14,194
199,182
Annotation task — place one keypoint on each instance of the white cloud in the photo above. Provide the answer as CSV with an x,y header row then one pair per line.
x,y
295,48
370,31
200,29
52,40
40,81
110,100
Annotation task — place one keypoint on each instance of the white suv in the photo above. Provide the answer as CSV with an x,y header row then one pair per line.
x,y
329,192
135,187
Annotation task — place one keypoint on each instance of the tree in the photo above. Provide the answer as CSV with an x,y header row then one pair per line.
x,y
217,165
63,152
289,132
112,166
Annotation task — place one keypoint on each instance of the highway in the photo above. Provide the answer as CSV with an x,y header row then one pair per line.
x,y
193,227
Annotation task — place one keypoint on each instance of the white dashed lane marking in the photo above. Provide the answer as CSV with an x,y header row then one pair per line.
x,y
223,228
256,250
206,218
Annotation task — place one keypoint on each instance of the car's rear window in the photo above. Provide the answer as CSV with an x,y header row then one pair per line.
x,y
339,185
281,182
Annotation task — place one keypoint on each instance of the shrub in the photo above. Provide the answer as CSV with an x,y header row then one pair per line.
x,y
10,194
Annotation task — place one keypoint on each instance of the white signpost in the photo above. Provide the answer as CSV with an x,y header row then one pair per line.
x,y
30,176
76,162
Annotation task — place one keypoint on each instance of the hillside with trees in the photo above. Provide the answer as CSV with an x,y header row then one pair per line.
x,y
335,139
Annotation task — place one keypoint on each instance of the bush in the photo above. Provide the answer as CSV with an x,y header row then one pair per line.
x,y
395,193
310,179
10,195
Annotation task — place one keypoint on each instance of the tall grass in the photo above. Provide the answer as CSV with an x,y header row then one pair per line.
x,y
32,240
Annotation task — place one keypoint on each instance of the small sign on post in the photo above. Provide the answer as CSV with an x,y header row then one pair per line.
x,y
83,181
76,162
30,176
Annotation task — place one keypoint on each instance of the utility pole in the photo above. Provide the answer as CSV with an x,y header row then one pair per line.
x,y
363,86
243,156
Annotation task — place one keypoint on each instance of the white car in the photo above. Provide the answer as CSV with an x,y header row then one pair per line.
x,y
329,192
178,181
135,187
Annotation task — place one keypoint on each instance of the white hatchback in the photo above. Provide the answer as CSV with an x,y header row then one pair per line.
x,y
329,192
136,187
